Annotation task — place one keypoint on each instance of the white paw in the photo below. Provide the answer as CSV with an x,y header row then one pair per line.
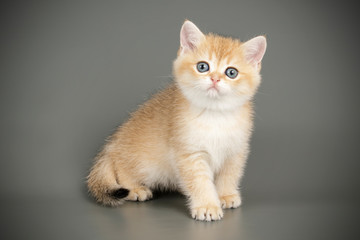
x,y
139,194
207,213
230,201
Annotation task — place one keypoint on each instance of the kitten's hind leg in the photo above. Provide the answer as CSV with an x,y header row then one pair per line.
x,y
131,180
139,193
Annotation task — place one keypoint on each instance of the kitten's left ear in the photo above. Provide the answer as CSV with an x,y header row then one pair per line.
x,y
190,36
254,50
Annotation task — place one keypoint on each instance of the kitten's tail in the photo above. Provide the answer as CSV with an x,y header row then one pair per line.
x,y
103,185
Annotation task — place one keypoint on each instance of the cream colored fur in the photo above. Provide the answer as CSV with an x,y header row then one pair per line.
x,y
189,137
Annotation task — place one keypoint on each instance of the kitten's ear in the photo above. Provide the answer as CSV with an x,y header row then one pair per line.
x,y
254,50
190,36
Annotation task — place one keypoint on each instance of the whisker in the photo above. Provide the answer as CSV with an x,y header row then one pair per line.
x,y
166,76
262,93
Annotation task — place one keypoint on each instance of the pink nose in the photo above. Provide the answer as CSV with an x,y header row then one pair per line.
x,y
215,79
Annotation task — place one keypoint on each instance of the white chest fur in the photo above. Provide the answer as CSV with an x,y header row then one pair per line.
x,y
221,135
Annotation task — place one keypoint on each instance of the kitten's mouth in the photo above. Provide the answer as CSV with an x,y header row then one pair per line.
x,y
213,88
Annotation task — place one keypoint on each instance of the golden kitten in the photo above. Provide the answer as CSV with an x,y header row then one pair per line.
x,y
192,136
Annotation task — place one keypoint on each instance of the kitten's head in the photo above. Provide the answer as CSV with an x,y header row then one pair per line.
x,y
215,72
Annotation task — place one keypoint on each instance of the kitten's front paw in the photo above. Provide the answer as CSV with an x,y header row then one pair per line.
x,y
207,213
230,201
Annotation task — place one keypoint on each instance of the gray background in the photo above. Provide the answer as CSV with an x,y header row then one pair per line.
x,y
71,71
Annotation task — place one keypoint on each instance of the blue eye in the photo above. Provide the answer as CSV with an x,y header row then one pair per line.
x,y
231,72
202,67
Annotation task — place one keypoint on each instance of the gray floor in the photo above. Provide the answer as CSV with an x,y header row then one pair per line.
x,y
71,71
166,217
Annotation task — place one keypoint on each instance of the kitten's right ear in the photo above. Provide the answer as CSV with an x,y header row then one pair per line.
x,y
190,37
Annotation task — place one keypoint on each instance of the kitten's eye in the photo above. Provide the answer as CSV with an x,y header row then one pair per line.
x,y
231,72
202,67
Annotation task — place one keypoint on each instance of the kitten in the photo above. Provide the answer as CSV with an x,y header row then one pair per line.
x,y
192,136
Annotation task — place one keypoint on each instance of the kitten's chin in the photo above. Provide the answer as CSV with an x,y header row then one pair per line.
x,y
213,93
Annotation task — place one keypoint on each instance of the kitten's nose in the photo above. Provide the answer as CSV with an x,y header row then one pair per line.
x,y
215,78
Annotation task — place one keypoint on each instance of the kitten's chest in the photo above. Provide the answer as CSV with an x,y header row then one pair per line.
x,y
219,135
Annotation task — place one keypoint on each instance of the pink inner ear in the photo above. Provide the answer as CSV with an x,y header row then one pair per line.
x,y
255,49
190,36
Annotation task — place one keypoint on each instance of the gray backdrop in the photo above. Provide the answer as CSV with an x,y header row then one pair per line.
x,y
72,71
